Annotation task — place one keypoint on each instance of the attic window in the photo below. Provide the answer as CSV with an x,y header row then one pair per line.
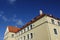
x,y
59,23
31,26
52,21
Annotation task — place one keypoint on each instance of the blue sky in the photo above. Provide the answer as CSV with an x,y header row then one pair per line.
x,y
19,12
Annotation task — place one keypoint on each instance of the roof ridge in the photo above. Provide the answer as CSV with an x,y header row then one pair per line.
x,y
32,21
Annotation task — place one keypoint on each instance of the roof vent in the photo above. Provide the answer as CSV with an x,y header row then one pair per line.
x,y
41,12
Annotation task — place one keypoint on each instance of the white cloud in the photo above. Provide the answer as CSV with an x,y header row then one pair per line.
x,y
4,18
1,12
19,22
16,21
11,1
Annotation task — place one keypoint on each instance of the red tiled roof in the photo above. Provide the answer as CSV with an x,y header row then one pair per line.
x,y
13,29
37,18
33,20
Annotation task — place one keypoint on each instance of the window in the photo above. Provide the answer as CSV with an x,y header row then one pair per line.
x,y
52,21
59,23
28,28
28,36
24,37
55,31
31,35
12,35
31,26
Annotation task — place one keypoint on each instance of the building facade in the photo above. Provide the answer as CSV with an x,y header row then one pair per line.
x,y
42,27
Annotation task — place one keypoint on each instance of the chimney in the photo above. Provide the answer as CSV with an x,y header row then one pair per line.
x,y
41,12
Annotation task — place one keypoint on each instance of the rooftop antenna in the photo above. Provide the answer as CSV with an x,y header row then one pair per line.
x,y
41,12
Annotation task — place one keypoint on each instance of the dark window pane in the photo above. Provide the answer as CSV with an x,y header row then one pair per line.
x,y
12,35
55,31
52,21
28,28
28,36
31,26
31,35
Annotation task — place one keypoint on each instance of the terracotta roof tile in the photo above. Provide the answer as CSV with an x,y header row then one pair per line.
x,y
37,18
33,20
13,29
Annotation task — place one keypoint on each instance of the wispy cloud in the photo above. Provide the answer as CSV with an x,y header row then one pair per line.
x,y
4,18
16,21
19,22
13,19
1,12
11,1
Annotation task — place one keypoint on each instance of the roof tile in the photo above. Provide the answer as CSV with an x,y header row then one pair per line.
x,y
13,29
